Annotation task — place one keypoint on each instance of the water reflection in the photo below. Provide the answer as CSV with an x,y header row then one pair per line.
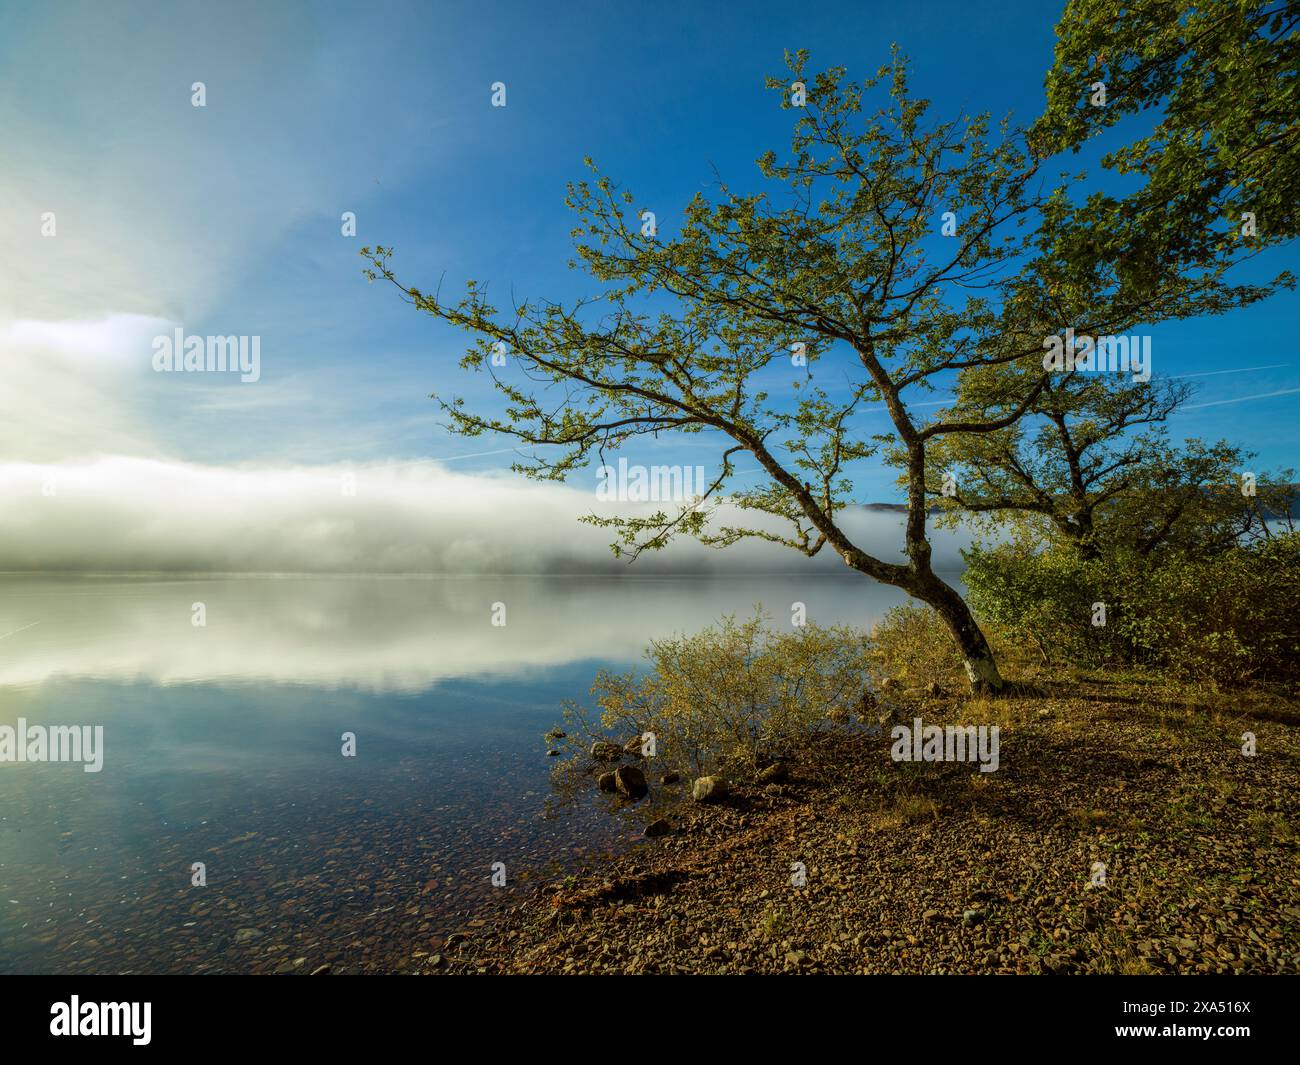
x,y
382,634
223,746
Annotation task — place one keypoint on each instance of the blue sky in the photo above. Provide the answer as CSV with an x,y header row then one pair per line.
x,y
225,219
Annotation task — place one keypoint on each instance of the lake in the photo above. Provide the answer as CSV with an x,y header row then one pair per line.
x,y
223,745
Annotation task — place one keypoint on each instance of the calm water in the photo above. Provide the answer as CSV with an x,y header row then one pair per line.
x,y
222,745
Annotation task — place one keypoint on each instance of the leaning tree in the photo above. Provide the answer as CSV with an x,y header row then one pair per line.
x,y
897,253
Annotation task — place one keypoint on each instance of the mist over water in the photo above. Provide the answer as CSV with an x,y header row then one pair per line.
x,y
118,514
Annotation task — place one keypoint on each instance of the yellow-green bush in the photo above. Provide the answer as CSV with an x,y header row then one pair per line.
x,y
736,694
1228,618
912,645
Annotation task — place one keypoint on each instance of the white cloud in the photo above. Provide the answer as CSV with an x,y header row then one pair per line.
x,y
150,515
84,487
75,388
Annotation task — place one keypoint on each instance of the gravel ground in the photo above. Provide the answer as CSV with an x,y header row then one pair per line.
x,y
937,868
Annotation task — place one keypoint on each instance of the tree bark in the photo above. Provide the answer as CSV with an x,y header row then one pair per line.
x,y
977,657
920,579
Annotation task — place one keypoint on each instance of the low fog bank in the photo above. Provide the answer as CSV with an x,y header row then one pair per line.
x,y
129,515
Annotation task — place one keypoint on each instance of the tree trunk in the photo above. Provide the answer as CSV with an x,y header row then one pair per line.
x,y
977,657
920,579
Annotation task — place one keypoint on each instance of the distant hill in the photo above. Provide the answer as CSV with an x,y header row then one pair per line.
x,y
901,508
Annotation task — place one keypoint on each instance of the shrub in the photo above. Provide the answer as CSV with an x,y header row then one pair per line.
x,y
734,695
1227,618
1230,618
911,645
1044,599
